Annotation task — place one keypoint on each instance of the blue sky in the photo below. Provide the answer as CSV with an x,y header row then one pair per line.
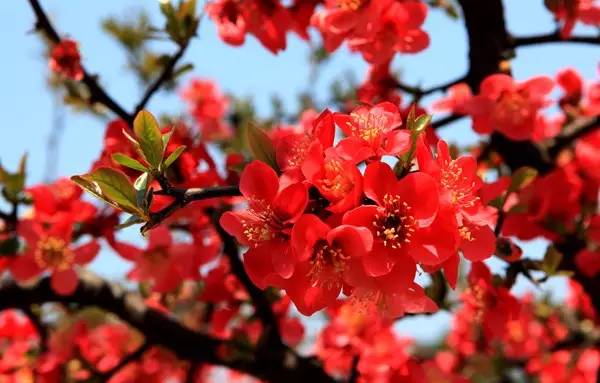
x,y
28,107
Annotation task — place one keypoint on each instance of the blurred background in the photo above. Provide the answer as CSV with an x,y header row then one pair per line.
x,y
61,142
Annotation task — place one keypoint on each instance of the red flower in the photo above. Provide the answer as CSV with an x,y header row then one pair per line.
x,y
50,249
508,107
266,226
291,148
380,85
405,209
163,262
51,202
65,60
208,106
324,256
266,19
372,132
458,96
377,29
571,11
338,180
588,155
459,185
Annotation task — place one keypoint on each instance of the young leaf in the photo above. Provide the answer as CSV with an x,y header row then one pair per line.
x,y
141,188
116,187
149,137
132,220
165,140
173,156
521,178
551,261
128,162
261,146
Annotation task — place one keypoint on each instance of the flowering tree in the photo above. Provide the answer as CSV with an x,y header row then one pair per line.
x,y
332,211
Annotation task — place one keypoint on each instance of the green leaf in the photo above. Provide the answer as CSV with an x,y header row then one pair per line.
x,y
128,162
521,178
551,261
165,140
141,189
149,137
261,146
173,156
132,220
14,183
421,123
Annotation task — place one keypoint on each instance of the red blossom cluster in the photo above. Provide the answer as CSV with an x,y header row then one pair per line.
x,y
66,60
323,227
569,12
363,216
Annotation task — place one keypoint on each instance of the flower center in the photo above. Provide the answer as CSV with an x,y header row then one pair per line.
x,y
369,127
264,225
334,180
513,108
156,256
328,263
350,5
53,253
396,225
461,190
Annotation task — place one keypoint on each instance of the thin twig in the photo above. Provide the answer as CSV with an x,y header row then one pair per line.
x,y
167,72
182,197
97,93
419,92
522,41
262,305
163,330
353,378
137,354
446,120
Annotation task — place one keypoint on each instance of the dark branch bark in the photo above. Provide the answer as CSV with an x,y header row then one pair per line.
x,y
522,41
489,40
261,304
419,92
446,120
183,197
164,331
166,74
97,93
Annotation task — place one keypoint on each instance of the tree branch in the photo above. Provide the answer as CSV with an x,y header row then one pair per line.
x,y
419,92
167,72
97,93
522,41
261,304
165,331
137,354
183,197
573,131
446,120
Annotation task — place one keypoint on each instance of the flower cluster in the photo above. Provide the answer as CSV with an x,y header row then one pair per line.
x,y
323,227
377,29
66,60
268,20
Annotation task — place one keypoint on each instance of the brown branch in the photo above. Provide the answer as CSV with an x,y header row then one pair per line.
x,y
522,41
163,330
419,92
137,354
573,131
261,304
446,120
166,74
183,197
97,93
